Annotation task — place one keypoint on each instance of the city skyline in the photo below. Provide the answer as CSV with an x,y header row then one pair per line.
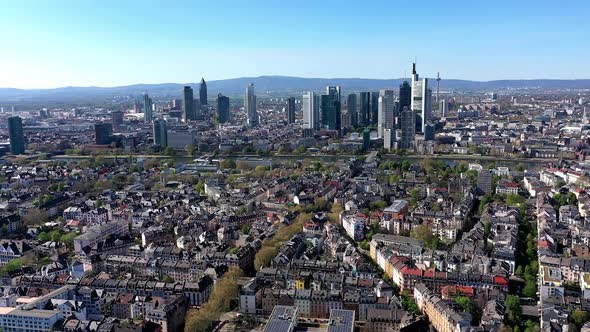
x,y
79,44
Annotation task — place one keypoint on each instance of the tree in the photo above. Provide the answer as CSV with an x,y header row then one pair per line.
x,y
44,237
580,317
167,278
35,216
409,304
170,151
422,232
190,150
245,229
228,164
513,311
427,164
464,303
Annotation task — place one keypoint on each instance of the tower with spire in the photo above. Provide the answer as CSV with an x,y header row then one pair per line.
x,y
203,92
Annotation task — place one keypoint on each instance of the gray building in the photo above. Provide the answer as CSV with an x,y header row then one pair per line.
x,y
160,133
188,108
16,134
311,111
290,110
250,106
222,108
352,110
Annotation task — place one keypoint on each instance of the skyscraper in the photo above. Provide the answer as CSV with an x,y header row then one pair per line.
x,y
160,132
405,95
16,134
366,139
147,108
408,128
365,109
444,108
311,111
388,139
188,104
197,111
421,100
117,119
351,109
250,106
203,92
103,133
222,108
290,110
374,108
386,108
330,109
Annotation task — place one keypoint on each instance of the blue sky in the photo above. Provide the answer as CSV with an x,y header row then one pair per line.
x,y
107,43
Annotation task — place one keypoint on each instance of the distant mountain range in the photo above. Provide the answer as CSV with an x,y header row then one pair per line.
x,y
270,84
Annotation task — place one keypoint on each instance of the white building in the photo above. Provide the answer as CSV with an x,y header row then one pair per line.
x,y
386,109
353,225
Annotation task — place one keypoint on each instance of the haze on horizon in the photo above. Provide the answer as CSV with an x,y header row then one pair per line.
x,y
48,44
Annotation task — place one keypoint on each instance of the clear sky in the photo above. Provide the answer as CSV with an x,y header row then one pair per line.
x,y
54,43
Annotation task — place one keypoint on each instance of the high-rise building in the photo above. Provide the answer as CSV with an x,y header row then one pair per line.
x,y
222,108
330,109
386,109
408,128
147,108
366,139
117,119
16,135
334,91
250,106
311,111
388,139
197,111
177,104
444,108
160,132
290,110
188,104
421,100
351,109
365,109
203,92
374,108
103,133
405,95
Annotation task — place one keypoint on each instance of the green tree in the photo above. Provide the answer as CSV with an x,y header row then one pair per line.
x,y
245,229
513,310
580,317
464,303
170,151
422,232
167,278
190,150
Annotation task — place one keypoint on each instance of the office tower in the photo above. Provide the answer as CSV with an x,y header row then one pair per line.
x,y
16,135
365,109
388,139
103,133
290,110
197,111
385,109
344,120
188,104
222,108
117,119
250,106
444,108
203,92
311,111
334,91
160,132
405,95
366,139
429,132
330,112
407,128
351,109
374,108
421,100
147,108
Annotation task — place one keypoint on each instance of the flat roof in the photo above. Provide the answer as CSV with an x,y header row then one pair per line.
x,y
341,320
282,319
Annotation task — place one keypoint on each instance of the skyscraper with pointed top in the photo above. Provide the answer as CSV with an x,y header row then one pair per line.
x,y
250,106
203,92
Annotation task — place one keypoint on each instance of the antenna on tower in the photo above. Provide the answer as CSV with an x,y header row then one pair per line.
x,y
437,85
